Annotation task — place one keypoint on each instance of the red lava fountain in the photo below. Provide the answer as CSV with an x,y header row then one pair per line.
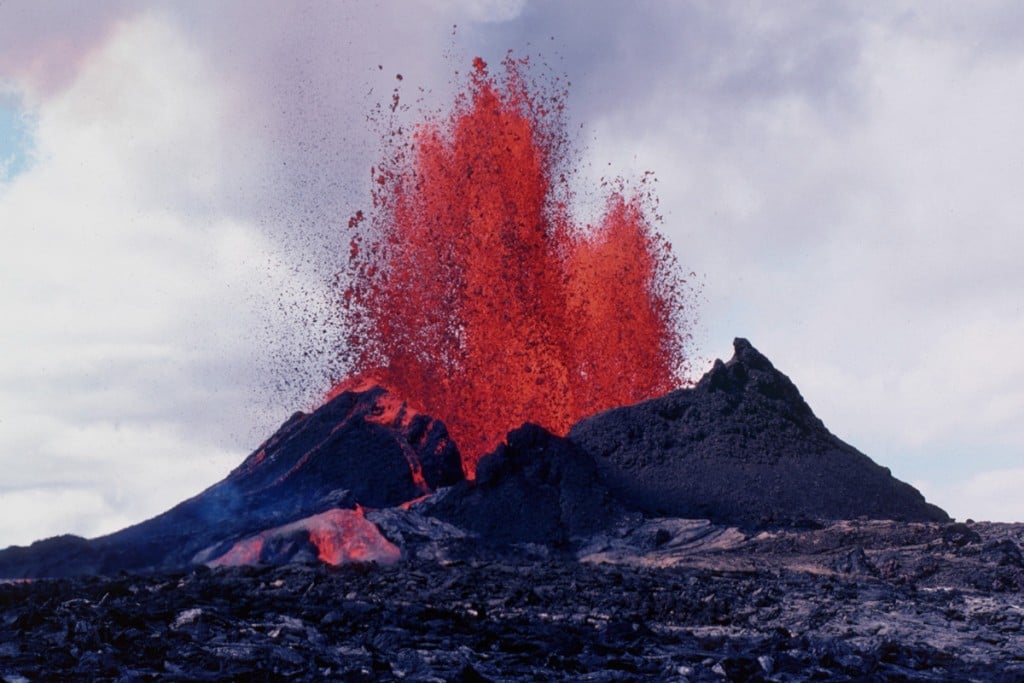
x,y
473,294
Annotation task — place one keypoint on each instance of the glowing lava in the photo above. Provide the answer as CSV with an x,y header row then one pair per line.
x,y
336,536
472,293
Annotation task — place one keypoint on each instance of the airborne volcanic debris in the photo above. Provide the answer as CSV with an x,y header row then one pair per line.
x,y
742,447
472,290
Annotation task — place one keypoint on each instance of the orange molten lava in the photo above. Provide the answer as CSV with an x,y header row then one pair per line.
x,y
475,297
343,536
339,537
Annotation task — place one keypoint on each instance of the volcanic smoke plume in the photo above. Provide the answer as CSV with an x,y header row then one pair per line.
x,y
474,294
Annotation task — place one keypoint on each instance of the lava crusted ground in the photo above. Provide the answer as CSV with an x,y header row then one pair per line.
x,y
532,615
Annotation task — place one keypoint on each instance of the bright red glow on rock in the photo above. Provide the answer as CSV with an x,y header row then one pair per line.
x,y
245,552
337,536
474,295
343,536
392,411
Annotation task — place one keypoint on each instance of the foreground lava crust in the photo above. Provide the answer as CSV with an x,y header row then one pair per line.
x,y
767,550
869,601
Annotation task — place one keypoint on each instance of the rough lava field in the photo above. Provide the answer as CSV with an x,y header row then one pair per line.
x,y
547,566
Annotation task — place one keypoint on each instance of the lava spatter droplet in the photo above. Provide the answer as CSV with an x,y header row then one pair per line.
x,y
473,294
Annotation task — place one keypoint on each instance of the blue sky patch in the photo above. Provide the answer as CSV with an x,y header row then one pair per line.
x,y
16,136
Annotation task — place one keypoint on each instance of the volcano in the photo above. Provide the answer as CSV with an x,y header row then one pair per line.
x,y
362,448
740,448
714,533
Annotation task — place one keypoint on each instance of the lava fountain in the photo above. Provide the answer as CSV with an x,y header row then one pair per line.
x,y
473,293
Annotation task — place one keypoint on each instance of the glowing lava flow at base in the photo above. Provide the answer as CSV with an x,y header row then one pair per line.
x,y
474,295
335,537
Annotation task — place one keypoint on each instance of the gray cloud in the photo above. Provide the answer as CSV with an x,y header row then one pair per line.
x,y
44,43
703,58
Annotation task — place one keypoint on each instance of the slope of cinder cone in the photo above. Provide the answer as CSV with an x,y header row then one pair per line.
x,y
741,447
361,447
368,442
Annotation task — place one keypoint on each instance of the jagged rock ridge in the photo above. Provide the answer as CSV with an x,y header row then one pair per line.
x,y
535,488
741,447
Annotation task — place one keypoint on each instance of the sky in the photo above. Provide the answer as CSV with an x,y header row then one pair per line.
x,y
844,177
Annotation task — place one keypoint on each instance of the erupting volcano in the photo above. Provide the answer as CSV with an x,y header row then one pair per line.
x,y
509,484
474,294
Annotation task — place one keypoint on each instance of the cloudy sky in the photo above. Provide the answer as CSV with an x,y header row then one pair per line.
x,y
847,178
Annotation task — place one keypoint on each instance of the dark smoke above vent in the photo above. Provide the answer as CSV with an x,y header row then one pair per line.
x,y
742,447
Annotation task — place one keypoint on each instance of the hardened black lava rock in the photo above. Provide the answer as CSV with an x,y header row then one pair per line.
x,y
741,447
364,447
363,442
736,615
535,488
